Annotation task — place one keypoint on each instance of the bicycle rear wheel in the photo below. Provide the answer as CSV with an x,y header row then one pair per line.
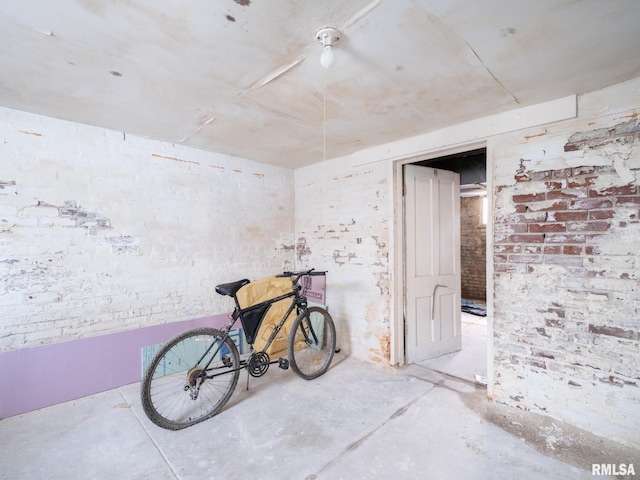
x,y
190,378
312,341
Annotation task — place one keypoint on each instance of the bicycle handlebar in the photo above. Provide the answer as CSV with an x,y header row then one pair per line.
x,y
301,273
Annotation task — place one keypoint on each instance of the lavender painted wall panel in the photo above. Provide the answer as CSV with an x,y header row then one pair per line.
x,y
34,378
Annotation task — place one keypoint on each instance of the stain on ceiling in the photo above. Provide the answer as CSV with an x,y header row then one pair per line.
x,y
243,77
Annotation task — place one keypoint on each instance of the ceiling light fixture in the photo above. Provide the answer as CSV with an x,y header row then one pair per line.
x,y
327,37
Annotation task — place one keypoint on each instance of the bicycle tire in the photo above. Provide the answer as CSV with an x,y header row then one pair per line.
x,y
310,354
177,367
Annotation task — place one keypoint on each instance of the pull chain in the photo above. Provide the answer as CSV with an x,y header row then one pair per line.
x,y
324,146
324,117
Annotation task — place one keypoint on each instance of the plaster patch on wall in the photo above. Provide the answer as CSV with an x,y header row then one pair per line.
x,y
623,170
613,145
607,146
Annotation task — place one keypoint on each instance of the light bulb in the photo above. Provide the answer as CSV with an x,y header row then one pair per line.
x,y
328,57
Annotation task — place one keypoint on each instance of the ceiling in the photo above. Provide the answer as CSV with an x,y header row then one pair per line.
x,y
242,77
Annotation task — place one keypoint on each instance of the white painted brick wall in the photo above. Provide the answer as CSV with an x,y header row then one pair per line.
x,y
343,217
154,230
567,263
102,232
344,224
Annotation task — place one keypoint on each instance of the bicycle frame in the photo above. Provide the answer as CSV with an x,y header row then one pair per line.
x,y
187,380
299,302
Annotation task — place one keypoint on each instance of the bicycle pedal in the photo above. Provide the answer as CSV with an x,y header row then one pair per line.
x,y
283,363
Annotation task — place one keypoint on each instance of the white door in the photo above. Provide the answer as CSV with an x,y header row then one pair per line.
x,y
432,269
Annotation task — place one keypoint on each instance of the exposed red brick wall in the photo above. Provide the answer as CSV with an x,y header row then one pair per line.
x,y
473,249
563,223
566,258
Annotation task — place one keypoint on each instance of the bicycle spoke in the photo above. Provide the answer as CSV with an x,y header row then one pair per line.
x,y
178,371
312,343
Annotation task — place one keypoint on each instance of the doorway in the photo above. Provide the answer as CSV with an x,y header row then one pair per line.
x,y
470,361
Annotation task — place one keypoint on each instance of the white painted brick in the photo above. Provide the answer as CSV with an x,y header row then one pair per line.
x,y
573,292
53,222
145,226
596,291
342,226
200,219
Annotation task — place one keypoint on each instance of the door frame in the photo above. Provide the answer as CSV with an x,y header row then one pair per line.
x,y
398,354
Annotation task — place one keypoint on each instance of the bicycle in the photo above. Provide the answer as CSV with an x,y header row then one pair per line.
x,y
193,375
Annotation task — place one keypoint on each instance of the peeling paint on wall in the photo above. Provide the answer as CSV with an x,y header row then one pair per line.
x,y
382,353
102,235
7,187
566,258
83,218
345,232
302,249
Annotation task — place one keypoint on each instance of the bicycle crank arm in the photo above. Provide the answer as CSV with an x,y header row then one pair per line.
x,y
283,363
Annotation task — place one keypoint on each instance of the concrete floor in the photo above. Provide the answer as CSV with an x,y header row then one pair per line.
x,y
472,359
357,421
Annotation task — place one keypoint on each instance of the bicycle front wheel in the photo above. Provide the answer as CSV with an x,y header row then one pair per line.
x,y
190,378
312,341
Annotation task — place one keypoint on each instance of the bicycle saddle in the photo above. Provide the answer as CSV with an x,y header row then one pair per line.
x,y
232,288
